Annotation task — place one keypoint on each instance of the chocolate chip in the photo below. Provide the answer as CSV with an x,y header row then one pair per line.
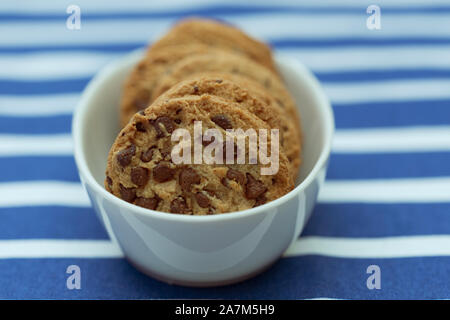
x,y
236,176
177,121
254,188
142,100
222,121
147,156
139,176
149,203
165,122
207,143
162,172
188,177
219,81
109,181
260,200
179,205
124,156
127,194
202,200
195,89
142,112
224,182
140,127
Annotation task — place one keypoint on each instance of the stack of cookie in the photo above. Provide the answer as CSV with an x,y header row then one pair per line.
x,y
203,72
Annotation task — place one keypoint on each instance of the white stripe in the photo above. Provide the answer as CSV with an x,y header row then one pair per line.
x,y
46,6
410,139
35,193
44,66
339,93
378,248
266,26
413,139
408,190
38,66
38,105
21,145
323,298
353,248
390,90
14,249
377,58
102,6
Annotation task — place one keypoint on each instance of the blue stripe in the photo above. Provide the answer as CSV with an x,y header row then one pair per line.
x,y
50,222
388,165
108,48
31,168
290,278
69,84
328,220
35,125
357,41
378,220
285,43
360,115
13,87
392,114
342,166
221,10
382,75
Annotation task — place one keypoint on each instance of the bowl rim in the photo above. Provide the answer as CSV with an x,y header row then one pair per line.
x,y
81,110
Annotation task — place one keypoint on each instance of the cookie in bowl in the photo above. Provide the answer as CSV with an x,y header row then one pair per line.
x,y
250,95
186,38
139,87
226,62
216,34
142,168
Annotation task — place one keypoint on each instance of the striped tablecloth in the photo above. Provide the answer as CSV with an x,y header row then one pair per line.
x,y
386,201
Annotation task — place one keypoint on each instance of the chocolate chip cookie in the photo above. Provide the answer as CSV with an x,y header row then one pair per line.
x,y
187,38
249,95
138,92
217,35
141,167
226,62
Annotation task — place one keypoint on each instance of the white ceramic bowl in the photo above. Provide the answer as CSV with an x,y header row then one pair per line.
x,y
201,250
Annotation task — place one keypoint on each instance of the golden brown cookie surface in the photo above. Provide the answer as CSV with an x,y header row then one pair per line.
x,y
141,169
249,95
217,35
226,62
138,92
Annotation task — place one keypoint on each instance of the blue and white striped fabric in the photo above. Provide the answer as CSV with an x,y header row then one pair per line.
x,y
386,200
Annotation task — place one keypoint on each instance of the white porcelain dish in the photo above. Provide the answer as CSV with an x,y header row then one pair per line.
x,y
201,250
